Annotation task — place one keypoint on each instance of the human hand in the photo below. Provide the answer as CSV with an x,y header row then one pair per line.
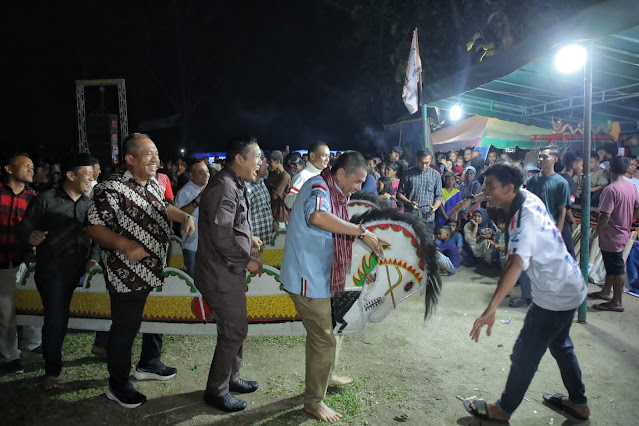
x,y
189,226
90,264
276,226
37,237
135,252
432,210
375,243
370,278
255,266
488,319
414,205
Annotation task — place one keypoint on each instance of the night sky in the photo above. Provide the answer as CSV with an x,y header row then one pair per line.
x,y
287,72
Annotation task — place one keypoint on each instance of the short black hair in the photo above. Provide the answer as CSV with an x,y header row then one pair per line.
x,y
12,158
552,148
619,165
595,156
239,146
130,144
423,153
350,161
506,174
398,150
315,146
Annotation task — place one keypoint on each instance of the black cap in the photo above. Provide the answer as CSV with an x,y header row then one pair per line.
x,y
72,161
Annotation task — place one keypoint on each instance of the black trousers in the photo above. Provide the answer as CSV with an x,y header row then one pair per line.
x,y
126,317
56,294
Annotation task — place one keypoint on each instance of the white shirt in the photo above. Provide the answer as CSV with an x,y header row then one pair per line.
x,y
298,181
185,195
633,181
557,284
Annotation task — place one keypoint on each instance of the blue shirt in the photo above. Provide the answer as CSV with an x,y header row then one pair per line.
x,y
185,195
370,184
449,249
308,252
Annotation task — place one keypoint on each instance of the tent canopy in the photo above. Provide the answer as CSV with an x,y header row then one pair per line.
x,y
521,83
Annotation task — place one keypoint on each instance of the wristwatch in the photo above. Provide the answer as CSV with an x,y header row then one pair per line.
x,y
187,218
473,200
363,234
195,204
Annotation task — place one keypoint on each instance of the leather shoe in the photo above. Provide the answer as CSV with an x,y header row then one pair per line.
x,y
243,386
228,402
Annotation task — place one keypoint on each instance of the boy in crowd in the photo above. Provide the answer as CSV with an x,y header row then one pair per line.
x,y
448,254
456,236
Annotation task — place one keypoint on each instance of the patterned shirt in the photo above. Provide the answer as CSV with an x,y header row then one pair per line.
x,y
12,208
423,188
261,213
137,212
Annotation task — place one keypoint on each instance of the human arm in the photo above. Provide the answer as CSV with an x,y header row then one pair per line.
x,y
109,240
602,223
280,188
561,217
176,215
32,228
508,279
464,204
328,222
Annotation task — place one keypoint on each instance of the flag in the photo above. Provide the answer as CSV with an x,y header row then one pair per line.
x,y
413,71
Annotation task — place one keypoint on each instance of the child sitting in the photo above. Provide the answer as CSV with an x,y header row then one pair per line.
x,y
456,237
447,251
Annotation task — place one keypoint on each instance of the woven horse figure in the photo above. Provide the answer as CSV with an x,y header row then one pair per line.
x,y
408,267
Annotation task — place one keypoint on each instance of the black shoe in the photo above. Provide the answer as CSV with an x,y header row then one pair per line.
x,y
37,350
164,373
228,402
243,386
13,367
129,398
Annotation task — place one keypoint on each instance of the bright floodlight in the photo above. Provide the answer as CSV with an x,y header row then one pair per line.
x,y
570,58
455,112
182,150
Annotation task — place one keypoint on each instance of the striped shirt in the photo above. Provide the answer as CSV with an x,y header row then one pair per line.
x,y
12,208
423,188
137,212
261,214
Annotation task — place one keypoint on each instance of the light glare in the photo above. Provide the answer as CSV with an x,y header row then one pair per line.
x,y
455,112
570,58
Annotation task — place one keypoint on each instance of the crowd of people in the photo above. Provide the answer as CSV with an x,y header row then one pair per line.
x,y
69,218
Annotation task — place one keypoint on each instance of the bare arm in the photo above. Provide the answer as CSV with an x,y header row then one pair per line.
x,y
602,222
561,218
330,223
109,240
176,215
507,281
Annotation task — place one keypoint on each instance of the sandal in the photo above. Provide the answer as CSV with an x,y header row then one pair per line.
x,y
607,307
480,410
598,295
556,401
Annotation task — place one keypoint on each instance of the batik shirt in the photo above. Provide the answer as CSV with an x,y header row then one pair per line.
x,y
423,188
12,208
139,213
261,213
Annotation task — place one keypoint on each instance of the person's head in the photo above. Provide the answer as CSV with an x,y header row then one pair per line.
x,y
19,169
501,184
141,156
619,166
96,168
477,154
275,160
452,224
263,170
444,233
370,164
452,156
384,185
56,177
594,161
395,154
199,173
77,173
440,157
530,171
506,156
491,157
423,158
448,179
477,217
331,156
381,168
469,174
547,158
602,154
577,164
244,156
468,154
632,168
349,172
295,161
391,170
459,162
305,158
449,165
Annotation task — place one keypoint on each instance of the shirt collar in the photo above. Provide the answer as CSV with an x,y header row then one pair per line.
x,y
311,168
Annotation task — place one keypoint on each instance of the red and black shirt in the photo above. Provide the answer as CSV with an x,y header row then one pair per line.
x,y
12,208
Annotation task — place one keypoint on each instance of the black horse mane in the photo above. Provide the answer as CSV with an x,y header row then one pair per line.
x,y
426,245
366,196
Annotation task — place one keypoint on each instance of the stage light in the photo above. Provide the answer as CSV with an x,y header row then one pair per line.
x,y
570,58
456,112
182,151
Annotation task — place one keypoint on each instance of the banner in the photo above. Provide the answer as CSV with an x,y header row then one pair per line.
x,y
413,71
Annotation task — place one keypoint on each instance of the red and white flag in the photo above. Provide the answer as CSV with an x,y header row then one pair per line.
x,y
413,72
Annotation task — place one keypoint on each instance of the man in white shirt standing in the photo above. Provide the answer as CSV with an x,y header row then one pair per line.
x,y
629,176
534,245
318,158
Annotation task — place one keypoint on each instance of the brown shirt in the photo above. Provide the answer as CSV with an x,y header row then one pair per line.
x,y
224,235
139,213
278,184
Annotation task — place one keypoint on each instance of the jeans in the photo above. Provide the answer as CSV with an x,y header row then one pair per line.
x,y
189,261
543,329
526,286
444,261
56,294
126,317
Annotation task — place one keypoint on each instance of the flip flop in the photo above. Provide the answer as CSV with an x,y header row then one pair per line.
x,y
480,410
607,307
598,295
50,383
556,401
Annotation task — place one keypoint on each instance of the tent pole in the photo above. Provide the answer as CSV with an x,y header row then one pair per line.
x,y
584,255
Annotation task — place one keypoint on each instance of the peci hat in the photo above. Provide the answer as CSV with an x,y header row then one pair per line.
x,y
72,161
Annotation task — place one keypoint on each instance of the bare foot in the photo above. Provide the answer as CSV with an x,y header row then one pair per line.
x,y
340,381
599,295
49,383
323,413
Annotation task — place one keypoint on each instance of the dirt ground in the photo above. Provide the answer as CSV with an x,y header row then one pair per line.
x,y
402,366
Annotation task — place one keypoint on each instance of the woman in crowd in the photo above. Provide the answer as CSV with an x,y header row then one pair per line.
x,y
479,233
470,186
391,173
450,197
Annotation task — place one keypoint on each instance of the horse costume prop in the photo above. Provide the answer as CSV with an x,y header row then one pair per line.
x,y
407,268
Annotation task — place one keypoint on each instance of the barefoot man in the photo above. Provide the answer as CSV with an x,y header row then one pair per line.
x,y
534,245
317,258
